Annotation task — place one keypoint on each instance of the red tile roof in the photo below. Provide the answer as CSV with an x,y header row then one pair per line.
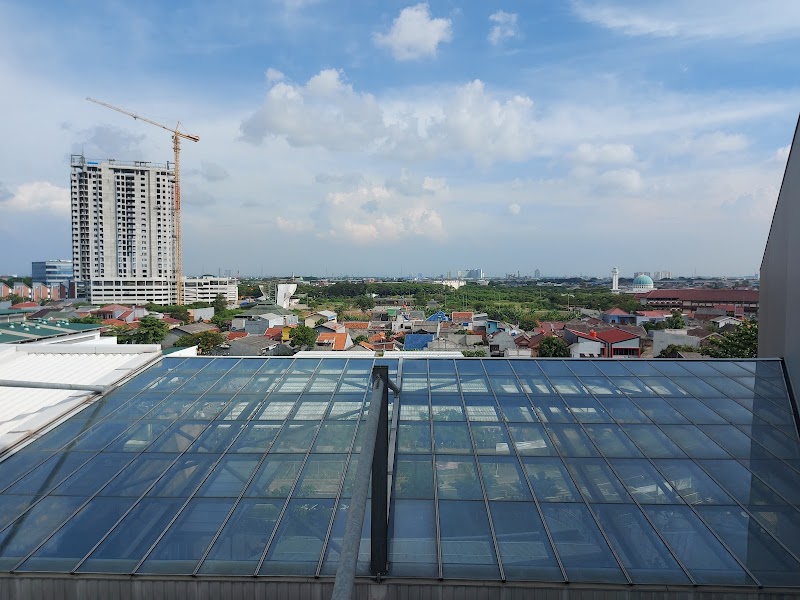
x,y
613,336
113,307
356,324
235,335
114,323
461,317
274,333
337,341
617,311
654,313
377,337
26,305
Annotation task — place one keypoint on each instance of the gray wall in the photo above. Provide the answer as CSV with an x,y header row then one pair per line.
x,y
779,313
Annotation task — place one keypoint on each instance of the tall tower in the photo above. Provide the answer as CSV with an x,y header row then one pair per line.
x,y
123,231
615,280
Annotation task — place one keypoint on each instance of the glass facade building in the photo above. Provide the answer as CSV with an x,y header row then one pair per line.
x,y
680,473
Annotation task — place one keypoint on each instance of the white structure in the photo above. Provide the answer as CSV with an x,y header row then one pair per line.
x,y
615,280
207,288
123,233
453,283
642,283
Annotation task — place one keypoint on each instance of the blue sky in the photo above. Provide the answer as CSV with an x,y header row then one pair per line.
x,y
380,137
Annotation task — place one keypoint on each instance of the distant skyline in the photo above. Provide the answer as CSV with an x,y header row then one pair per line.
x,y
375,137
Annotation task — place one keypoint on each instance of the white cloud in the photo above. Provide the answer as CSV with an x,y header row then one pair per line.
x,y
414,34
623,180
603,154
781,154
765,20
504,28
293,225
38,196
513,208
711,144
274,75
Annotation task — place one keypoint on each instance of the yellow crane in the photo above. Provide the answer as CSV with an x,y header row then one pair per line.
x,y
176,146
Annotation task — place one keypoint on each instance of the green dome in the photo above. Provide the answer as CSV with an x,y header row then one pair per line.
x,y
642,281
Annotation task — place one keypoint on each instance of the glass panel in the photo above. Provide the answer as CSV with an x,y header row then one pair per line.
x,y
413,477
782,522
99,435
18,464
345,410
550,480
276,410
538,386
298,543
296,437
208,408
217,437
652,441
243,539
740,483
451,437
596,480
784,481
308,410
670,368
733,441
503,478
30,529
412,540
504,385
554,367
694,442
491,439
696,411
632,386
138,437
773,440
256,438
13,506
457,478
612,441
612,368
61,435
664,386
752,545
229,477
482,410
645,557
188,537
139,475
552,410
659,410
122,550
330,563
568,386
93,475
322,476
587,410
517,409
414,412
467,549
691,482
182,478
178,437
49,474
583,551
524,547
335,436
571,440
731,410
276,476
692,542
531,440
644,482
443,385
600,386
414,437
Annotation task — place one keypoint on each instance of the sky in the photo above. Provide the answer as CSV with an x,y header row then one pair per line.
x,y
377,137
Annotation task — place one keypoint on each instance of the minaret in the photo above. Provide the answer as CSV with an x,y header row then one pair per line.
x,y
615,280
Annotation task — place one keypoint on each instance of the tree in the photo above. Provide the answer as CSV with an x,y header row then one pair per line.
x,y
205,341
672,350
675,321
303,336
360,338
123,333
150,331
365,302
15,299
86,320
553,346
220,305
742,342
181,313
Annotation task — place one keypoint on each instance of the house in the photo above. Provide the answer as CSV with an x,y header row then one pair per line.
x,y
463,318
502,342
609,343
334,341
324,315
329,327
720,322
417,341
252,345
617,315
438,316
356,328
178,332
652,316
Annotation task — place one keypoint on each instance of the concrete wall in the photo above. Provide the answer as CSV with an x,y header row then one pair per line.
x,y
664,337
779,317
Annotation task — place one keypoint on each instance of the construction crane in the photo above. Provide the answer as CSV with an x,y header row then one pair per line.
x,y
176,146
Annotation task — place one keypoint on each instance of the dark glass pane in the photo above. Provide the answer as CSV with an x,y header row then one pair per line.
x,y
696,411
12,506
298,542
691,482
139,475
550,480
100,435
188,537
612,368
632,386
413,477
740,483
531,439
256,438
783,480
50,473
554,368
322,476
276,476
296,437
209,407
452,437
335,436
692,542
333,551
414,437
243,539
580,545
178,437
524,547
659,410
182,478
644,482
138,437
783,522
217,437
694,442
652,441
571,440
491,439
596,480
503,479
643,554
732,440
752,545
31,528
612,441
467,549
517,409
731,410
78,536
551,410
622,410
412,539
93,475
61,435
671,368
773,440
172,408
241,408
18,464
457,478
229,477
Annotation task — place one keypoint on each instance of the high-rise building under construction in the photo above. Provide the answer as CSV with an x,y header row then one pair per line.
x,y
123,231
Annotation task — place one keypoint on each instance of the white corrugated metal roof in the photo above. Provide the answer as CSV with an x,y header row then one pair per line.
x,y
25,411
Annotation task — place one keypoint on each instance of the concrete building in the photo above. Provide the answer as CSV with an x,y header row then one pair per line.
x,y
659,275
615,280
52,272
123,231
208,287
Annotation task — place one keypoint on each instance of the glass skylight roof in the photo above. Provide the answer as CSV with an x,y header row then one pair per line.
x,y
602,471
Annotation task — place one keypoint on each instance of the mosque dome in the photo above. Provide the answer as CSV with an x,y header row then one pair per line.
x,y
642,282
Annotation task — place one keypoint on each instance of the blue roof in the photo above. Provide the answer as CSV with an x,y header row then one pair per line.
x,y
659,472
438,316
417,341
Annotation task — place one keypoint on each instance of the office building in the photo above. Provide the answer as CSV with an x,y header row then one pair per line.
x,y
208,287
123,234
52,272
